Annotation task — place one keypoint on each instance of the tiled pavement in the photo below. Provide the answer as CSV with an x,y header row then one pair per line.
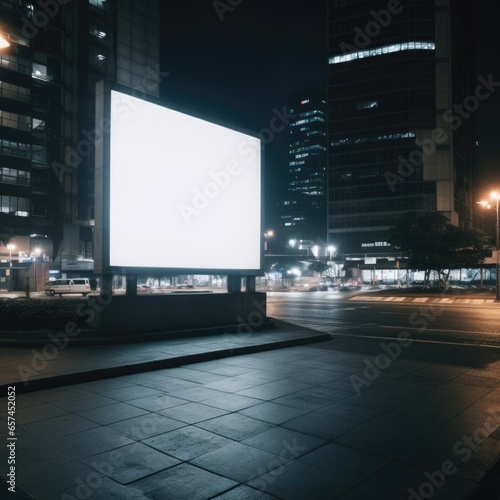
x,y
284,423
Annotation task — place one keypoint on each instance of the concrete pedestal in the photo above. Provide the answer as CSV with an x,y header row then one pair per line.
x,y
173,312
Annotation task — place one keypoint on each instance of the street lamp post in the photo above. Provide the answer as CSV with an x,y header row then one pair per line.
x,y
37,252
496,197
11,247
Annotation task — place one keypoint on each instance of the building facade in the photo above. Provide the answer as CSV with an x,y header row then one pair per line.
x,y
399,139
303,212
58,51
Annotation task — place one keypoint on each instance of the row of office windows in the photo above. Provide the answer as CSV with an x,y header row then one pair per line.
x,y
14,205
20,65
379,51
14,92
15,120
373,206
373,138
14,148
14,176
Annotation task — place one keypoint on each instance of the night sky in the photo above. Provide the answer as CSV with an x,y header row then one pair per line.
x,y
239,69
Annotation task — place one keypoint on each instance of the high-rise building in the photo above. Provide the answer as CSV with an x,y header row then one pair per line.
x,y
303,212
401,102
58,51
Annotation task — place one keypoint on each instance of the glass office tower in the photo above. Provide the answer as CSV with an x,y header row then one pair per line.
x,y
57,53
303,212
397,70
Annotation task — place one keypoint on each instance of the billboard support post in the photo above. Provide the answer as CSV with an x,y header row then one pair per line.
x,y
131,285
234,284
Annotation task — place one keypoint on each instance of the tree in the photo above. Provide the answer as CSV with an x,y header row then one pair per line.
x,y
5,235
432,243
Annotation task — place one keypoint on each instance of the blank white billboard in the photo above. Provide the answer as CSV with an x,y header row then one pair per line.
x,y
184,193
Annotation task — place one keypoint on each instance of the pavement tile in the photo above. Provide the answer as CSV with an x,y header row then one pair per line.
x,y
346,465
44,484
288,482
130,463
187,443
320,425
184,482
101,487
285,443
482,460
238,461
232,384
86,443
156,403
99,386
234,402
84,403
196,394
70,423
388,435
131,392
145,426
112,413
243,492
36,413
234,426
273,413
303,400
273,390
394,481
192,413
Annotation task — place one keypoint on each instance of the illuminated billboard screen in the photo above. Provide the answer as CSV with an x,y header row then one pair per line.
x,y
184,193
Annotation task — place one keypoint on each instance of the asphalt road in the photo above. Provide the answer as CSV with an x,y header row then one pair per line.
x,y
334,313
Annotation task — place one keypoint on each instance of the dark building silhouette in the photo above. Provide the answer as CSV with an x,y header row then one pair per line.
x,y
401,117
58,51
303,212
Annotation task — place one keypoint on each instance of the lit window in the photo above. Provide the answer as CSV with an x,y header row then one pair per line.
x,y
387,49
367,105
373,138
39,72
98,3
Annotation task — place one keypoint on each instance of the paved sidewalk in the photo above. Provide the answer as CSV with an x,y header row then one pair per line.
x,y
339,419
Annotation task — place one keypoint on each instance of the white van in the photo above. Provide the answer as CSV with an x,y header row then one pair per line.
x,y
71,285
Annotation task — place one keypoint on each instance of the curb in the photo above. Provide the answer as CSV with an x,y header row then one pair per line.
x,y
117,371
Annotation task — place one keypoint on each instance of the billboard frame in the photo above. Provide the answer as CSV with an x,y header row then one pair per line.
x,y
102,265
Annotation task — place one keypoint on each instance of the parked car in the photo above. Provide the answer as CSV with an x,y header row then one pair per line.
x,y
71,285
144,289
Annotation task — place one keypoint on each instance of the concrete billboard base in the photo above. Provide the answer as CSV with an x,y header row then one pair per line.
x,y
177,312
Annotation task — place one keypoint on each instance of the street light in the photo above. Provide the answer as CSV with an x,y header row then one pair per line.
x,y
495,197
331,250
4,40
268,234
11,247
